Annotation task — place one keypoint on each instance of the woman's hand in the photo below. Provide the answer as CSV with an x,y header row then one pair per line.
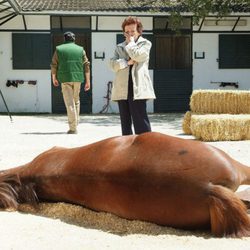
x,y
128,37
131,62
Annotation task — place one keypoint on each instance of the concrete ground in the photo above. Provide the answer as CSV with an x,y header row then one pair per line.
x,y
27,136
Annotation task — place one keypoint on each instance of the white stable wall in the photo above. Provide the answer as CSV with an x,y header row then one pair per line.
x,y
25,98
115,22
101,74
206,70
29,98
225,26
32,23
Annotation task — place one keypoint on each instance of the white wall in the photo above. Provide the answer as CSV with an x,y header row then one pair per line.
x,y
25,98
37,22
225,27
14,23
32,23
206,70
101,74
29,98
114,23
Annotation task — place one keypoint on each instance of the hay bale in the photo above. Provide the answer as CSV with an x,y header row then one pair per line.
x,y
221,127
220,102
186,123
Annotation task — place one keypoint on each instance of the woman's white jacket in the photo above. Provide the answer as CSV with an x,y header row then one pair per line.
x,y
142,84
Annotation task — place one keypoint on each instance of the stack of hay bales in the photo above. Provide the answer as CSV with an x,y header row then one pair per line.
x,y
218,115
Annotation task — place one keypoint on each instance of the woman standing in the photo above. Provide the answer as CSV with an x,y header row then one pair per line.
x,y
132,86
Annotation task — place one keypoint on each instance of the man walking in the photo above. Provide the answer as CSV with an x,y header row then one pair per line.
x,y
70,67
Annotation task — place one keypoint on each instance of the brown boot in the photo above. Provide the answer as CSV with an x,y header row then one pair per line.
x,y
72,132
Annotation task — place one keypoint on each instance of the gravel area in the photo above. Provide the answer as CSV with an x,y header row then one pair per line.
x,y
65,226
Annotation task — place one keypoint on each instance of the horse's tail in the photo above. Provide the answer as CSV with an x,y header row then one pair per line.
x,y
13,192
228,214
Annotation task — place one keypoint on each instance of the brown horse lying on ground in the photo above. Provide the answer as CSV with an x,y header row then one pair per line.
x,y
151,177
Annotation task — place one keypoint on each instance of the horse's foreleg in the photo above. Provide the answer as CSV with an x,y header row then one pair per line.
x,y
228,214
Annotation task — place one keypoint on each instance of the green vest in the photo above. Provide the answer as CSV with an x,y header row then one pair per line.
x,y
70,62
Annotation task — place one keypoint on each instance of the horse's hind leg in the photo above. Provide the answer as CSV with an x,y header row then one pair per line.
x,y
228,214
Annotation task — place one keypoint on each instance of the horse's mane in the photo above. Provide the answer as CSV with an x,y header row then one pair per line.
x,y
13,192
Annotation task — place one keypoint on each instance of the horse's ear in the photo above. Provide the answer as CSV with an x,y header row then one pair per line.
x,y
223,203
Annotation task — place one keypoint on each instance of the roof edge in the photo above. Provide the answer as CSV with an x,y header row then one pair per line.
x,y
120,13
15,6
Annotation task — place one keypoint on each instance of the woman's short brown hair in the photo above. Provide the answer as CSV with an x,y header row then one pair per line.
x,y
132,20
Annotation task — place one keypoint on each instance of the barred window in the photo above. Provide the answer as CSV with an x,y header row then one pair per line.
x,y
31,51
234,51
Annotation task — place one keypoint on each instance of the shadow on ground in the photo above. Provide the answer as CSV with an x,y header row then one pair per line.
x,y
83,217
45,133
173,120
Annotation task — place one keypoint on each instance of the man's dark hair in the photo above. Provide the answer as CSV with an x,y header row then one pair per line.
x,y
69,36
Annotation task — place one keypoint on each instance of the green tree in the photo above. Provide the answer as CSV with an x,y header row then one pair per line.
x,y
198,8
203,8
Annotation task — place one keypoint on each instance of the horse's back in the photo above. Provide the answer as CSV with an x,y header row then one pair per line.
x,y
151,154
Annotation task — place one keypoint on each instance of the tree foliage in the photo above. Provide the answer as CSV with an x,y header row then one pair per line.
x,y
198,8
203,8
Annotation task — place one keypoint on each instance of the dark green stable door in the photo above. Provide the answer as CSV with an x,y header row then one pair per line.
x,y
58,106
173,73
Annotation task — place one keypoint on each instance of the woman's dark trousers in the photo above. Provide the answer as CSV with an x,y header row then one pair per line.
x,y
133,111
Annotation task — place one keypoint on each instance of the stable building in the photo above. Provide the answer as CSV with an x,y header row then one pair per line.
x,y
215,54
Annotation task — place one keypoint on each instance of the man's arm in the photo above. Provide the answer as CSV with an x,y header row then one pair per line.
x,y
53,66
86,64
